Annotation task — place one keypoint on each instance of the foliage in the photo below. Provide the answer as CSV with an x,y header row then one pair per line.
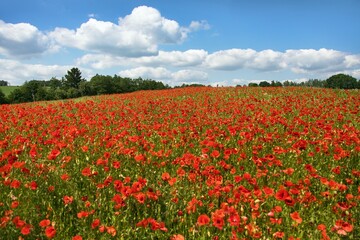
x,y
264,84
4,83
253,85
3,99
73,78
342,81
189,163
73,86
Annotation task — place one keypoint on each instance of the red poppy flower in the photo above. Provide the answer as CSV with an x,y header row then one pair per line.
x,y
68,200
234,220
53,154
82,214
140,197
296,217
50,232
86,172
218,221
279,234
165,176
281,195
26,230
203,220
111,230
177,237
44,223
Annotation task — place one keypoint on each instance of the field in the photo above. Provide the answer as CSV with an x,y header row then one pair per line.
x,y
191,163
8,89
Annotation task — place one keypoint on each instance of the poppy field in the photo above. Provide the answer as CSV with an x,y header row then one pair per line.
x,y
187,163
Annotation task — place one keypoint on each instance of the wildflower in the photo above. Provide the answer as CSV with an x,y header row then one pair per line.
x,y
50,232
95,223
296,217
68,200
203,220
177,237
26,229
44,223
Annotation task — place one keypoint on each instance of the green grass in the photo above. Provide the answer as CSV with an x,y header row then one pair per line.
x,y
8,89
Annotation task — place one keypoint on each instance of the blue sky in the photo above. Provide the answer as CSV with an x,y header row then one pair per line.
x,y
225,42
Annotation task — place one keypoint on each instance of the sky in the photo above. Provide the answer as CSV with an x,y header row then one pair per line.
x,y
211,42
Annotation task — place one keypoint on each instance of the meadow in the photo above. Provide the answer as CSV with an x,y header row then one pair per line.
x,y
8,89
187,163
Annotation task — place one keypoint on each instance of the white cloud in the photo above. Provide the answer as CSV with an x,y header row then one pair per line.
x,y
9,71
22,40
301,61
192,76
137,34
148,21
163,74
231,59
310,60
199,25
234,59
189,58
158,73
352,61
105,37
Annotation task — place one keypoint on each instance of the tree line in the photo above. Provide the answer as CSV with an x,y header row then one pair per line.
x,y
339,81
73,85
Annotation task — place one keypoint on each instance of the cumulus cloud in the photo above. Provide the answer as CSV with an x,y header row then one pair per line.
x,y
190,76
137,34
23,40
298,61
189,58
158,73
233,59
163,74
105,37
199,25
310,60
9,70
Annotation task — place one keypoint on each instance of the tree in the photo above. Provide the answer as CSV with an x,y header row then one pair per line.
x,y
264,84
278,84
4,83
253,85
341,81
3,99
73,78
54,83
102,84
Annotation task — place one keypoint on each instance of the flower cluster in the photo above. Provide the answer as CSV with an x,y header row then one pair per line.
x,y
190,163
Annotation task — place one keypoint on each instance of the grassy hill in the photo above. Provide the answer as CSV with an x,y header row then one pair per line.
x,y
8,89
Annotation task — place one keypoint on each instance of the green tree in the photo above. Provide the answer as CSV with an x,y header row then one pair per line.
x,y
73,78
102,84
31,91
4,83
3,99
253,85
264,84
341,81
54,83
278,84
